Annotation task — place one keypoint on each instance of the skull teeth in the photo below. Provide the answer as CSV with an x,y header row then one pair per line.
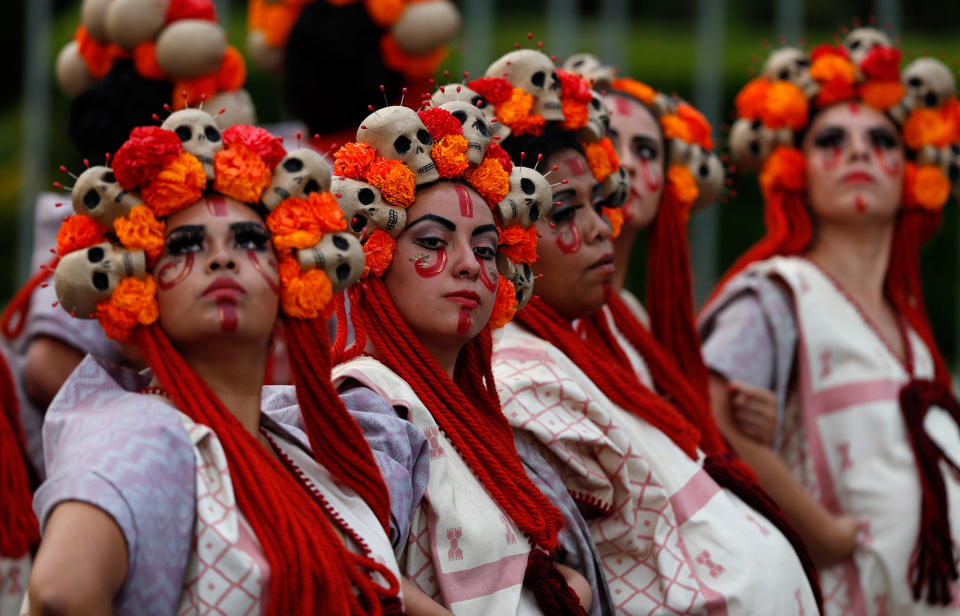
x,y
473,145
552,106
425,168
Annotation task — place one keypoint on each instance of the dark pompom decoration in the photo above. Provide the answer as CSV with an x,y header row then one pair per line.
x,y
333,68
102,117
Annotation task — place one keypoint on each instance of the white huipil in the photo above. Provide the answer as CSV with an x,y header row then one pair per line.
x,y
671,539
848,444
463,550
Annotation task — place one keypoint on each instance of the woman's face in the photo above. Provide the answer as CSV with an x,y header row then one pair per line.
x,y
638,140
443,278
855,163
217,276
575,263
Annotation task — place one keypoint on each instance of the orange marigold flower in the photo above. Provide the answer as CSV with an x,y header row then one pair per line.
x,y
145,61
615,216
925,186
78,231
449,154
132,303
836,75
232,72
490,180
384,12
307,295
353,160
273,19
515,108
378,252
504,304
881,95
834,92
289,270
301,222
634,88
925,127
674,128
607,145
699,127
785,107
752,98
784,170
680,181
240,173
99,57
519,244
190,92
575,114
598,161
395,181
950,111
179,183
141,230
533,124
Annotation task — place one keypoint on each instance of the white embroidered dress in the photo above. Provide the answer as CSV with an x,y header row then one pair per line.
x,y
672,541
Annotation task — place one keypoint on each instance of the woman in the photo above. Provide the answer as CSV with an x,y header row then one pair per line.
x,y
485,539
675,529
853,183
280,518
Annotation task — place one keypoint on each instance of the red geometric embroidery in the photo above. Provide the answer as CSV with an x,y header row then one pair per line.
x,y
433,435
511,536
844,450
453,535
763,529
13,577
714,568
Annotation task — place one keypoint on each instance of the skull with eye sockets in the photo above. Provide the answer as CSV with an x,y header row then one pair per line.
x,y
398,134
751,142
199,134
860,41
793,65
706,168
529,197
598,120
474,129
97,194
615,188
535,73
521,275
300,173
589,66
339,255
84,278
459,92
365,210
928,83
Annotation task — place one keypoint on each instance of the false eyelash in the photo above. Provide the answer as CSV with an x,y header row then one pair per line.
x,y
179,241
255,234
829,138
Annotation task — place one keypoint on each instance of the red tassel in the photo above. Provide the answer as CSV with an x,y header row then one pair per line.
x,y
19,533
14,317
549,587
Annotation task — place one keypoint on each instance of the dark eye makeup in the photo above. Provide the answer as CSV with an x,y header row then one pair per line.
x,y
250,235
186,238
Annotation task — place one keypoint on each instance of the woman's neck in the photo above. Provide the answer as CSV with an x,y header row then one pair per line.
x,y
857,257
622,247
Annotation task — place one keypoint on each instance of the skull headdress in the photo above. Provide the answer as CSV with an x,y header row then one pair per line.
x,y
117,234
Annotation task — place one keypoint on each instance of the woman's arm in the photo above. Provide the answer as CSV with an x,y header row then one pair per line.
x,y
417,602
829,538
49,363
81,564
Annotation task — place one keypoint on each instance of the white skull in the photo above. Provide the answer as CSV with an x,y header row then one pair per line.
x,y
97,194
662,104
793,65
706,168
365,209
860,41
929,83
751,142
474,129
93,14
616,188
191,48
199,134
529,197
84,278
535,73
72,73
132,22
399,134
424,26
459,92
598,120
300,173
339,255
588,65
237,108
521,275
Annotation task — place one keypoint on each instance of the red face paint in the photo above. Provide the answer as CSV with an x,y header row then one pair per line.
x,y
463,323
466,203
854,108
576,165
175,272
272,279
652,183
891,169
217,206
488,275
423,267
622,106
568,240
228,315
861,204
832,159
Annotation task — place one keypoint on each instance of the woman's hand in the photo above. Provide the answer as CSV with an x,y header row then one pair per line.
x,y
578,584
754,411
417,603
844,532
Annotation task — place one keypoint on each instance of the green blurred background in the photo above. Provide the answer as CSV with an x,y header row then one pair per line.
x,y
661,39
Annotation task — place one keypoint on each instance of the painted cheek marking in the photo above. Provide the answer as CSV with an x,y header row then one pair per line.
x,y
466,203
228,315
463,323
488,276
833,159
429,271
576,165
568,240
164,280
861,204
622,106
217,206
653,183
271,280
891,170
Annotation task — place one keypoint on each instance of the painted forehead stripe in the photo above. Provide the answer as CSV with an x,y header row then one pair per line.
x,y
216,205
576,165
466,203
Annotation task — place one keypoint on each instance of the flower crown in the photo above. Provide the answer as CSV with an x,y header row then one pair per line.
x,y
117,233
403,46
398,149
178,41
774,108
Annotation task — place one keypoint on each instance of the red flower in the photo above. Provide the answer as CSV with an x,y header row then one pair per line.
x,y
440,123
882,64
261,142
191,9
574,87
144,155
495,89
498,153
829,50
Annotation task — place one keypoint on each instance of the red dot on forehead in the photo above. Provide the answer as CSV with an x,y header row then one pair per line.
x,y
466,203
622,106
576,165
217,206
854,108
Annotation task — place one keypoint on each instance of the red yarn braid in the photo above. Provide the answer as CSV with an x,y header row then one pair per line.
x,y
18,525
311,571
613,375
